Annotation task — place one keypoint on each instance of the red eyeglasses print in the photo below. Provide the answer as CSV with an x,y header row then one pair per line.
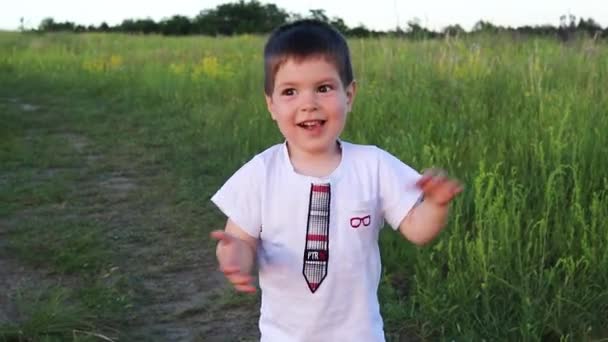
x,y
355,222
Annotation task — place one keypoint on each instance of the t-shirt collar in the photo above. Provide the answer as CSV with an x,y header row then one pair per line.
x,y
332,178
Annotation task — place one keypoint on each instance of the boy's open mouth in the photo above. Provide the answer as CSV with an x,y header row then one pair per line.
x,y
311,124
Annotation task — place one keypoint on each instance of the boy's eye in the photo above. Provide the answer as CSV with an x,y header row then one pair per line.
x,y
288,92
325,88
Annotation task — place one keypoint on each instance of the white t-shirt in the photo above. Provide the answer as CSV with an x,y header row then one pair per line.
x,y
270,201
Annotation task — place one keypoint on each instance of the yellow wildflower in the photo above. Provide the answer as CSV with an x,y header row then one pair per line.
x,y
177,69
116,61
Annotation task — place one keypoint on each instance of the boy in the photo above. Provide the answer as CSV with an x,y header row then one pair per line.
x,y
309,210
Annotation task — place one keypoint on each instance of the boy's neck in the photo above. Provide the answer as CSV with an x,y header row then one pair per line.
x,y
317,163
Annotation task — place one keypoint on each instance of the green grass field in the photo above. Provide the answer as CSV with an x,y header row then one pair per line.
x,y
523,124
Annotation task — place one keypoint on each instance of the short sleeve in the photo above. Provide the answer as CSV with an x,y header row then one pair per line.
x,y
240,198
398,190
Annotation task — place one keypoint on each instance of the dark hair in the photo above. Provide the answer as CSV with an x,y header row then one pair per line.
x,y
304,39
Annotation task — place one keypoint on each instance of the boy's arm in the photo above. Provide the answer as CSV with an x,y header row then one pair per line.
x,y
236,253
426,220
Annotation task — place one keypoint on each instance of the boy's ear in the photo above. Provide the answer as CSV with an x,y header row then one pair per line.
x,y
351,91
270,105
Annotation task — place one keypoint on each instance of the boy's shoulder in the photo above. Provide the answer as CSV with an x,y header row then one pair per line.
x,y
270,154
360,148
267,157
373,156
364,152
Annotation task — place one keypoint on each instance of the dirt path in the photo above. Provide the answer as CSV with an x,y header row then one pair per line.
x,y
179,295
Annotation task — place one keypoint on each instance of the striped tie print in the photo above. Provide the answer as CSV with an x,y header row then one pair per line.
x,y
316,252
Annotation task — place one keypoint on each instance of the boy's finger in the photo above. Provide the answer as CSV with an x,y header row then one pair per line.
x,y
433,184
239,278
451,189
228,270
245,288
448,191
423,181
221,236
456,188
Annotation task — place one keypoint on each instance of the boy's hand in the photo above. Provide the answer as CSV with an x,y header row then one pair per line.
x,y
231,257
437,188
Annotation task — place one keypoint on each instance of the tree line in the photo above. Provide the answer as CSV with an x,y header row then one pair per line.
x,y
253,17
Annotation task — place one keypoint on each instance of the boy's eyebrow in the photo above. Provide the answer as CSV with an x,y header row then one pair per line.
x,y
286,84
328,79
323,80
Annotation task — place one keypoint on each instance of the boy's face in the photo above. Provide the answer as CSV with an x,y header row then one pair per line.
x,y
310,104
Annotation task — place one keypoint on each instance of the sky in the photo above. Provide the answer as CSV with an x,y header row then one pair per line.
x,y
376,14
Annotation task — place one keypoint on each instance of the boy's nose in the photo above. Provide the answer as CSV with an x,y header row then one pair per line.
x,y
309,103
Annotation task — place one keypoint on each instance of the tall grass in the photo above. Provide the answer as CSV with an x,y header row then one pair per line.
x,y
523,123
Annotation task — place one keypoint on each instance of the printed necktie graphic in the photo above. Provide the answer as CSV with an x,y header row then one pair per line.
x,y
316,252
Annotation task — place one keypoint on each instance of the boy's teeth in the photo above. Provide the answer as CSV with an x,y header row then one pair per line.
x,y
311,123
